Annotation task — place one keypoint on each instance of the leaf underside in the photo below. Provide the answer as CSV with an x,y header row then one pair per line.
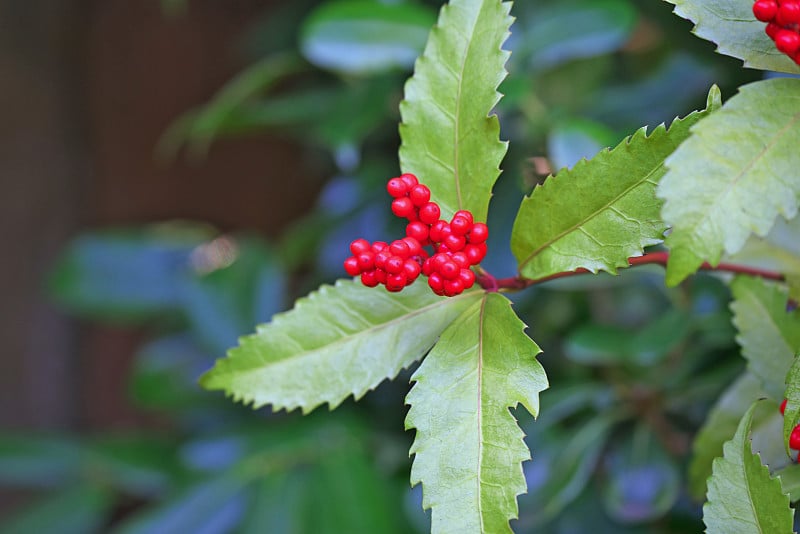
x,y
602,211
735,30
340,340
448,138
792,395
768,334
733,176
742,497
468,448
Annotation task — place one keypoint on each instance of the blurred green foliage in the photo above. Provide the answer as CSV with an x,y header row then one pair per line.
x,y
636,365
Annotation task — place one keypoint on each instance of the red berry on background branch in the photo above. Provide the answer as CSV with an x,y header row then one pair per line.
x,y
794,438
457,245
783,24
783,406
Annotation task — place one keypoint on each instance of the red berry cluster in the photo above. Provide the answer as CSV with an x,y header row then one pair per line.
x,y
794,438
457,245
783,24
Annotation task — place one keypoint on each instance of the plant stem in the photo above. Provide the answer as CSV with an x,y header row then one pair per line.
x,y
516,283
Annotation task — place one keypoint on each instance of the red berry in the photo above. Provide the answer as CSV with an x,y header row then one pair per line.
x,y
783,406
380,276
397,187
436,231
419,195
414,246
438,260
460,225
427,267
402,207
475,253
429,213
369,279
794,438
467,278
366,261
479,233
394,265
464,213
453,287
788,13
381,257
436,282
400,248
787,41
377,246
411,270
772,30
454,242
460,259
359,245
351,266
765,10
395,282
409,179
418,230
449,270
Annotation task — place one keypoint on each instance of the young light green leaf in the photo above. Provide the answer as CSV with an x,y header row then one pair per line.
x,y
768,334
468,448
448,138
792,395
733,176
340,340
720,426
602,211
737,33
742,497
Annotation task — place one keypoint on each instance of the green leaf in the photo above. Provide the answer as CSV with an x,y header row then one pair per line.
x,y
790,481
719,426
468,448
340,340
602,211
364,36
768,334
76,510
448,138
742,497
792,395
732,26
733,176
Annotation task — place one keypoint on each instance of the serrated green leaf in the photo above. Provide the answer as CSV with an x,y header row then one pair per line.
x,y
340,340
733,176
719,426
742,497
768,334
602,211
448,138
790,481
468,448
737,33
792,395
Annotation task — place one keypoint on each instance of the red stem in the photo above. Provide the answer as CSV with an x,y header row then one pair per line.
x,y
490,283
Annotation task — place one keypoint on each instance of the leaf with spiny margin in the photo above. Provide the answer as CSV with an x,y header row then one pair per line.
x,y
448,138
742,497
792,395
602,211
733,176
720,425
340,340
735,30
468,450
768,334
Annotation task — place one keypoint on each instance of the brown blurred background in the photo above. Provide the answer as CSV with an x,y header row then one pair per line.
x,y
86,89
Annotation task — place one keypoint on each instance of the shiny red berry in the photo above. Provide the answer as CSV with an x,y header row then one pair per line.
x,y
467,278
783,406
419,195
411,269
366,261
409,179
772,30
453,287
418,230
436,282
429,213
787,41
394,265
436,231
794,438
396,282
454,242
414,246
475,253
400,248
449,270
397,188
460,259
460,225
359,245
788,13
464,213
351,266
479,233
765,10
402,207
378,246
369,279
381,257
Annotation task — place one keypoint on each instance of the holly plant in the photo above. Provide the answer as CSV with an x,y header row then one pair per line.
x,y
704,192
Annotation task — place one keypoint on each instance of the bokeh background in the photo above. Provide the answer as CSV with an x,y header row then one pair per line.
x,y
175,172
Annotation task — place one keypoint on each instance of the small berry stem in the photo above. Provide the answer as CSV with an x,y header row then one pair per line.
x,y
516,283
